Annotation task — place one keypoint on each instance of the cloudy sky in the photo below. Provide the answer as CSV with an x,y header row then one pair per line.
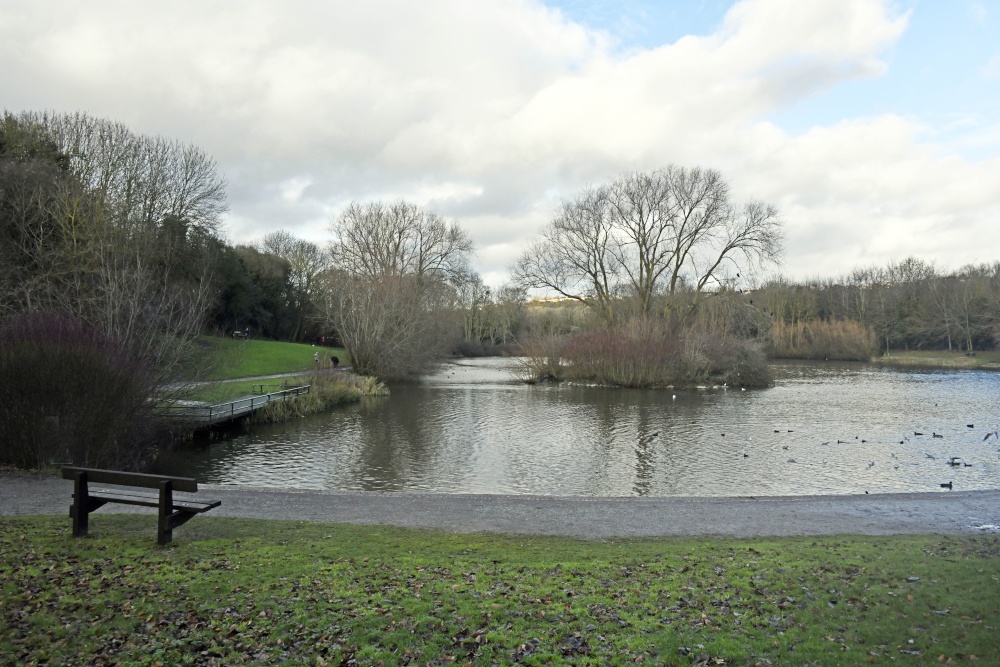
x,y
874,125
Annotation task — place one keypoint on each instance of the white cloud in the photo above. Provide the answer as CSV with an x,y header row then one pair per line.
x,y
490,111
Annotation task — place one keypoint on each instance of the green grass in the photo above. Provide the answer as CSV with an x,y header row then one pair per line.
x,y
226,358
941,358
219,392
231,591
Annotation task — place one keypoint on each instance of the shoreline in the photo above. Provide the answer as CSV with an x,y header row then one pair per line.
x,y
591,518
956,363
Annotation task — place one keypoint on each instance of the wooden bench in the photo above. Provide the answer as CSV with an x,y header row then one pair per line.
x,y
172,512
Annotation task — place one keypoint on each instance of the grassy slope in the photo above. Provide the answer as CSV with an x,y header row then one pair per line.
x,y
225,358
236,591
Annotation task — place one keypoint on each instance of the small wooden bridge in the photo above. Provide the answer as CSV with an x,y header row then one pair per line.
x,y
204,415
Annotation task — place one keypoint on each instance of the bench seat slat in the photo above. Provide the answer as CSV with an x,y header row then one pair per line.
x,y
151,500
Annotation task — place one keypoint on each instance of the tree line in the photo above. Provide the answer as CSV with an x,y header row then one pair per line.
x,y
904,305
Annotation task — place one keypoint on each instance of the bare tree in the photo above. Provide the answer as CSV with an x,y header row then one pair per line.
x,y
490,315
574,256
646,234
394,326
142,180
392,294
376,239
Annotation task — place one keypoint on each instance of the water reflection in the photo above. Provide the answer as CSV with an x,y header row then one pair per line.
x,y
823,429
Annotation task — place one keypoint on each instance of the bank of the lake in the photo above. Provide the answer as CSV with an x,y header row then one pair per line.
x,y
982,360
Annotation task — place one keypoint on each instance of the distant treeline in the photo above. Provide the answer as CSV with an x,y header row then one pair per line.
x,y
906,305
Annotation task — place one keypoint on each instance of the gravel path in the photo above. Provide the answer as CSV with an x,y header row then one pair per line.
x,y
971,512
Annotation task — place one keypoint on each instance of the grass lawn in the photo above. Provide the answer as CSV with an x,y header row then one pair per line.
x,y
226,358
231,591
941,358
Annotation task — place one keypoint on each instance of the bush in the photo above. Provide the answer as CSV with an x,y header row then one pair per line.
x,y
638,354
842,340
477,348
645,353
747,367
328,390
542,358
69,393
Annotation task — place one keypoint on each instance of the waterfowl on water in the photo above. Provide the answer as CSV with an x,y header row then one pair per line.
x,y
946,486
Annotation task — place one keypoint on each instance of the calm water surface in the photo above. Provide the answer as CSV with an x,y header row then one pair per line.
x,y
832,428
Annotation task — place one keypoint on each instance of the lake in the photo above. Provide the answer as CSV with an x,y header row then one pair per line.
x,y
824,428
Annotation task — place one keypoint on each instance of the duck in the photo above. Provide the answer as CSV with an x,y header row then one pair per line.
x,y
946,486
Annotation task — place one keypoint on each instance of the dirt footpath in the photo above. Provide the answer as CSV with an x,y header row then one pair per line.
x,y
971,512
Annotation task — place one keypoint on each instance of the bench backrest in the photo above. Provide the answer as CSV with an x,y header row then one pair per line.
x,y
131,478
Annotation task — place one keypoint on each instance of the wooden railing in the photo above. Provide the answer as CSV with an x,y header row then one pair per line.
x,y
205,415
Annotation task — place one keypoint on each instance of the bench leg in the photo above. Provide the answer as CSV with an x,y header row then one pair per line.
x,y
165,529
80,509
82,505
